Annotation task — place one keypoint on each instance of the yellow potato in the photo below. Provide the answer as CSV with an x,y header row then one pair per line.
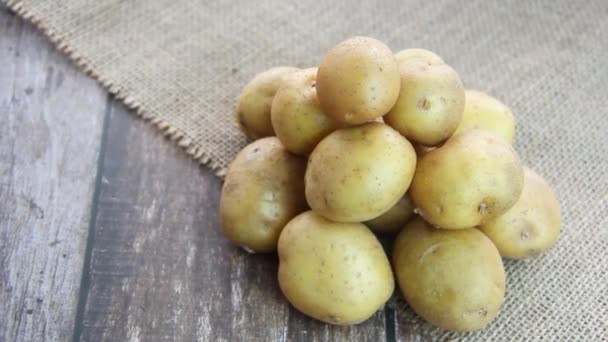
x,y
454,279
474,177
357,173
430,103
532,225
255,100
394,219
358,81
421,150
482,111
335,272
426,55
263,190
296,114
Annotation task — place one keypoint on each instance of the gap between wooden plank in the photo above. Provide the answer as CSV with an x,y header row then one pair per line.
x,y
86,276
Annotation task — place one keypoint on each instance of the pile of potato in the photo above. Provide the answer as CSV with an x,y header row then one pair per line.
x,y
376,143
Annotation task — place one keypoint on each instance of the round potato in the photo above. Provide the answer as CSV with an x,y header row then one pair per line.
x,y
426,55
296,114
253,108
263,190
454,279
358,81
357,173
394,219
474,177
532,225
335,272
482,111
430,103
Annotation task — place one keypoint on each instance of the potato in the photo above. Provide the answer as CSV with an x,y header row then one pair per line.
x,y
394,219
335,272
474,177
454,279
485,112
421,150
357,173
532,225
263,190
430,103
253,108
296,114
408,54
358,81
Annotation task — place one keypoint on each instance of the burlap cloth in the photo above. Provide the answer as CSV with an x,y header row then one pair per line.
x,y
181,64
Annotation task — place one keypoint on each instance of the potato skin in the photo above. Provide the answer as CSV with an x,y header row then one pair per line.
x,y
532,225
263,190
357,173
358,81
255,100
482,111
335,272
297,117
421,150
430,103
474,177
454,279
428,56
394,219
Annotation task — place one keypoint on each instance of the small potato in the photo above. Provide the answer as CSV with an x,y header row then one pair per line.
x,y
430,104
482,111
357,173
474,177
394,219
296,114
358,81
532,225
454,279
263,190
253,108
335,272
426,55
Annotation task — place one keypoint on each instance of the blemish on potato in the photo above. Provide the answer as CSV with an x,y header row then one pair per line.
x,y
333,319
525,234
424,104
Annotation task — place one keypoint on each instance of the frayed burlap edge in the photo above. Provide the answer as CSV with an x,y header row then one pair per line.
x,y
165,128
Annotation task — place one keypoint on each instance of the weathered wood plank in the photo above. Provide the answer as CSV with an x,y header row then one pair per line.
x,y
51,118
408,326
160,267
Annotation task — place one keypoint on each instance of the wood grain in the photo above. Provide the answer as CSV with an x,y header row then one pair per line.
x,y
160,268
51,119
408,326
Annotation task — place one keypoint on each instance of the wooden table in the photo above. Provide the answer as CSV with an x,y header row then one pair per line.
x,y
110,232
